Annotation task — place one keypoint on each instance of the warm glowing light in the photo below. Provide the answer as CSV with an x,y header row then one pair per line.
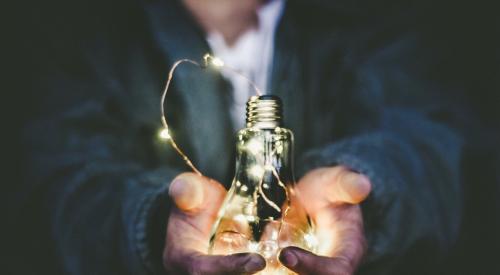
x,y
268,249
256,171
217,62
253,247
164,134
311,240
249,209
274,235
254,147
279,147
244,218
240,218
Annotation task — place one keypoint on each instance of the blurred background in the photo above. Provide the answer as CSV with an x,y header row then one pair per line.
x,y
463,40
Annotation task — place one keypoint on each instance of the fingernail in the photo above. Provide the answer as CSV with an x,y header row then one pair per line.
x,y
176,187
352,188
254,263
361,187
288,258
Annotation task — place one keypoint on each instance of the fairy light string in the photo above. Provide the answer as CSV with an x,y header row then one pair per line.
x,y
214,62
207,61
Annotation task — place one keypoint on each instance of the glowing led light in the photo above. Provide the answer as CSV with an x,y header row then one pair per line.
x,y
253,247
249,209
274,235
217,62
244,218
256,171
254,147
311,240
240,218
244,188
164,134
279,147
268,249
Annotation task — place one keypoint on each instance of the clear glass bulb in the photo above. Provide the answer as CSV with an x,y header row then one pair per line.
x,y
257,215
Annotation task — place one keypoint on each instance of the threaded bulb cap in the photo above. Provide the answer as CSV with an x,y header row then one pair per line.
x,y
264,112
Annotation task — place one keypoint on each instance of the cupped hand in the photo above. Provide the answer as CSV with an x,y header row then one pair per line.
x,y
197,201
330,196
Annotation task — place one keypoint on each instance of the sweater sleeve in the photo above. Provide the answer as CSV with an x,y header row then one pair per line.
x,y
100,172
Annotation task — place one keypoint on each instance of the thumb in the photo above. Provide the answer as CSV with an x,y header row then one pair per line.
x,y
305,262
190,191
348,186
241,263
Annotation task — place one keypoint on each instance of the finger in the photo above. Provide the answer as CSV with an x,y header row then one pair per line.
x,y
324,188
190,191
241,263
304,263
348,186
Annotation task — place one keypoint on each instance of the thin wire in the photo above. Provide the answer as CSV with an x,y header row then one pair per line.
x,y
164,117
208,59
266,199
288,203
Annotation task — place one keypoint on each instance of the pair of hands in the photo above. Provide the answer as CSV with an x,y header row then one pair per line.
x,y
329,195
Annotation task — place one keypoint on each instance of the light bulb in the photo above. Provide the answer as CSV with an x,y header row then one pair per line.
x,y
256,215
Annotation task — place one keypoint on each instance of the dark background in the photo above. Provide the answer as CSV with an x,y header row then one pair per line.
x,y
463,35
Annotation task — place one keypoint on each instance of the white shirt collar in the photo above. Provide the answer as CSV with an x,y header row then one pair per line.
x,y
251,54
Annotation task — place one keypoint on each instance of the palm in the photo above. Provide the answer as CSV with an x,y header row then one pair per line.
x,y
330,197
